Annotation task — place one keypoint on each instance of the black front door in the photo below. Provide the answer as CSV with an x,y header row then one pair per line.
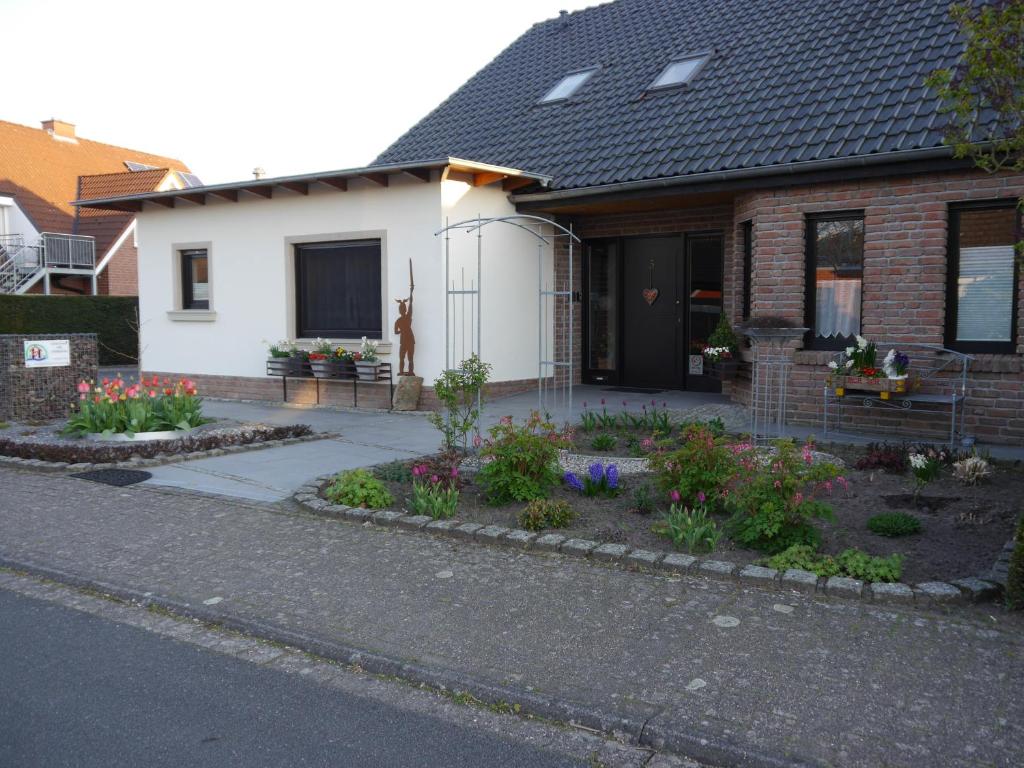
x,y
652,316
651,304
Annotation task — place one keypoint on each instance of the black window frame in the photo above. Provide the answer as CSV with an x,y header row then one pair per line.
x,y
187,258
811,340
747,228
376,333
953,274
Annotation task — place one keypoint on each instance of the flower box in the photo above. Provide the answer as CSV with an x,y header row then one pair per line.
x,y
881,384
723,370
367,371
333,368
287,366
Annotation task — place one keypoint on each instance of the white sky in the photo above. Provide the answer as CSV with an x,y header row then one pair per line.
x,y
295,86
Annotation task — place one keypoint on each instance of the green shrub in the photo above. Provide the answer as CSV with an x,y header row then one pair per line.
x,y
603,442
114,319
774,498
702,465
520,463
724,335
894,524
643,500
393,472
850,562
1015,576
461,393
358,488
861,565
692,529
546,513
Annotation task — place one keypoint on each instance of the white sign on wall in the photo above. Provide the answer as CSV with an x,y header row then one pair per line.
x,y
696,365
47,353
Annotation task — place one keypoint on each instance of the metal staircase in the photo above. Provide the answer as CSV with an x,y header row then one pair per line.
x,y
23,264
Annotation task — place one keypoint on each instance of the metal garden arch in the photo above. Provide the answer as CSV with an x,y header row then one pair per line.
x,y
554,305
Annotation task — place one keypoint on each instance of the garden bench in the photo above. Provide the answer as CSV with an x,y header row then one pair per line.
x,y
937,384
286,371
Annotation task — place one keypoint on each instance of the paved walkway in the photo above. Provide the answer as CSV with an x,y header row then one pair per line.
x,y
711,668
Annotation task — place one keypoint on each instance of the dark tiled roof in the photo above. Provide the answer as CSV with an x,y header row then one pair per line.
x,y
787,81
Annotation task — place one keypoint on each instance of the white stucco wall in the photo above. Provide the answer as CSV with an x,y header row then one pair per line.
x,y
17,222
251,262
251,270
510,280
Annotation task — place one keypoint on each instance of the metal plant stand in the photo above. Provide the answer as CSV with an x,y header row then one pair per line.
x,y
773,360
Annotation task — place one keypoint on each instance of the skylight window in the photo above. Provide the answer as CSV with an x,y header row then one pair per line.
x,y
567,86
679,72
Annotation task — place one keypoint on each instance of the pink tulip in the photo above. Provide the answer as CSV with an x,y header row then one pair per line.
x,y
674,495
83,387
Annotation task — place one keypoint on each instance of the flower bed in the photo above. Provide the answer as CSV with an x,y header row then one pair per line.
x,y
47,444
116,407
962,527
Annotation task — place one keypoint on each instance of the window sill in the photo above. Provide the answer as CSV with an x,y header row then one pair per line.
x,y
192,315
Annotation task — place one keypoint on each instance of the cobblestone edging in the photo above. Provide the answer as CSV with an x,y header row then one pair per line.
x,y
139,462
932,594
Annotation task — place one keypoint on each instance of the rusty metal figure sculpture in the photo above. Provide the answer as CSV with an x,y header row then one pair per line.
x,y
403,327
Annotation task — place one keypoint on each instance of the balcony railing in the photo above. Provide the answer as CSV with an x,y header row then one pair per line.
x,y
68,251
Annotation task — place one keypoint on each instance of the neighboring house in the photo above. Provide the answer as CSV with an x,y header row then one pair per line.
x,y
779,157
46,244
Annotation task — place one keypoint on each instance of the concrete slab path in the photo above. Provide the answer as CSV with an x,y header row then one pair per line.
x,y
732,674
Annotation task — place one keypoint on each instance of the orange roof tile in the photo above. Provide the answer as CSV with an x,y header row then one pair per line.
x,y
42,171
116,184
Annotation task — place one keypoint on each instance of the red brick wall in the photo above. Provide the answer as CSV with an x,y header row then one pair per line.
x,y
904,292
121,275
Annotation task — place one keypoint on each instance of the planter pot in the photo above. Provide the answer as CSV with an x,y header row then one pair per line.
x,y
286,366
884,386
723,370
323,369
138,437
367,371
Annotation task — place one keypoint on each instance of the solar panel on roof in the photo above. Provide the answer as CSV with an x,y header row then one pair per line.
x,y
131,165
190,179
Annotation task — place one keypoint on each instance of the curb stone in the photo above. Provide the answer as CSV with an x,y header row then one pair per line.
x,y
840,586
927,594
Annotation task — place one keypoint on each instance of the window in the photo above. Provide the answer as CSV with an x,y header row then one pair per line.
x,y
567,86
679,72
835,272
981,306
195,279
748,265
338,289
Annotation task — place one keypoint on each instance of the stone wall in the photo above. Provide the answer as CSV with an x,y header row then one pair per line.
x,y
42,394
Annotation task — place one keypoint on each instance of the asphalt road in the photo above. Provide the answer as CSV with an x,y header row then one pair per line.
x,y
80,690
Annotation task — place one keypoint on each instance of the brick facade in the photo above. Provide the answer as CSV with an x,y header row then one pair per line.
x,y
904,285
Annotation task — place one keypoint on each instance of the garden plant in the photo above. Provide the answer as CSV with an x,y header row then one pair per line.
x,y
115,406
520,462
358,488
460,393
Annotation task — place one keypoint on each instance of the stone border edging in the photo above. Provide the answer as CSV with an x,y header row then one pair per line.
x,y
640,732
171,458
930,594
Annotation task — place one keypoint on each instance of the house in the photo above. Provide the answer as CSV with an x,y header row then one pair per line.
x,y
776,158
46,244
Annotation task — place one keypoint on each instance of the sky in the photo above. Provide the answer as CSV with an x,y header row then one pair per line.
x,y
293,87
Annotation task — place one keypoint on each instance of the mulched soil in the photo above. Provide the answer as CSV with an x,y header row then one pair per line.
x,y
963,528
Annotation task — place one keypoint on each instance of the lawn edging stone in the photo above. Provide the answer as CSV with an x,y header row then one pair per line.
x,y
936,594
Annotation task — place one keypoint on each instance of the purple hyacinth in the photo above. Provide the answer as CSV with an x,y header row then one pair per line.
x,y
612,473
596,471
572,481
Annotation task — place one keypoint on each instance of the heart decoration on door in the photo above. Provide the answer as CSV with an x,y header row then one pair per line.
x,y
650,294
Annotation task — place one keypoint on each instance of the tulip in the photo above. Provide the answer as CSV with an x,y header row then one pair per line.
x,y
83,387
675,496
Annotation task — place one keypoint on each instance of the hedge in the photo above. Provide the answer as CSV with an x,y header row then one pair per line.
x,y
114,319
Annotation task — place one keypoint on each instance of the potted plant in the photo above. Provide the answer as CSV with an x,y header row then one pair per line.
x,y
321,359
367,362
283,359
857,368
720,352
346,364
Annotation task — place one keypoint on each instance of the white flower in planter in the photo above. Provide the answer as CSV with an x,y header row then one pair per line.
x,y
849,364
849,351
833,365
862,343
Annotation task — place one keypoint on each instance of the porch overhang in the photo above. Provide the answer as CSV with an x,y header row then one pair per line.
x,y
716,186
456,169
